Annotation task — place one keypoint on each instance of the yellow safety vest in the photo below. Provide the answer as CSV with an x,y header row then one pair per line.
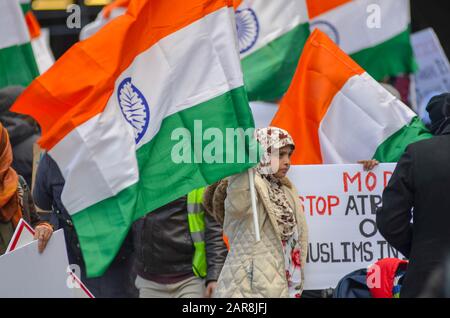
x,y
196,218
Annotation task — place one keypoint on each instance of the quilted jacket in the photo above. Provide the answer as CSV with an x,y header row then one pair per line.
x,y
256,269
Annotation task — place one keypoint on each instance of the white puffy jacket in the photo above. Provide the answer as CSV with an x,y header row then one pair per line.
x,y
256,269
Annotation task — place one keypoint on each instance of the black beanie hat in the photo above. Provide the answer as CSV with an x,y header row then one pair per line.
x,y
439,107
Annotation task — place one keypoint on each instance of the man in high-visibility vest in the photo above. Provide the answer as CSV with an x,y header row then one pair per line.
x,y
179,250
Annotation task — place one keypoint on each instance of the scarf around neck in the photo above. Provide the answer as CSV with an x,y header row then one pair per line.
x,y
273,138
9,181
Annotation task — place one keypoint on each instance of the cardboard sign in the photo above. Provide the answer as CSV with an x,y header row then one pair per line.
x,y
340,202
23,235
80,290
433,77
27,273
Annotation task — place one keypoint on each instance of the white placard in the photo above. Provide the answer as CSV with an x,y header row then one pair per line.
x,y
23,235
433,77
26,273
340,203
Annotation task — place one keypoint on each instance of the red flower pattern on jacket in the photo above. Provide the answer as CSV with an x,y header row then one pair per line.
x,y
295,256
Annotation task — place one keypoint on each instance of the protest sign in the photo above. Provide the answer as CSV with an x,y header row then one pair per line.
x,y
27,273
433,77
79,289
23,235
340,202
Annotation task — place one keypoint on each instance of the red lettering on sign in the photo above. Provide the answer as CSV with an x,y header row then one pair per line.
x,y
321,211
320,205
302,200
371,185
332,202
387,176
347,178
310,198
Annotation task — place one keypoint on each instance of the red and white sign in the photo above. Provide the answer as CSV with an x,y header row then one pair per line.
x,y
23,235
340,202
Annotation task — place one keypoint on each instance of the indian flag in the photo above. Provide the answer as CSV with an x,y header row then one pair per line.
x,y
271,37
163,73
375,33
17,63
337,113
42,52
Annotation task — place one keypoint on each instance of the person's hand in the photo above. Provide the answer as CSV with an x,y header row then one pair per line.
x,y
368,164
43,232
210,289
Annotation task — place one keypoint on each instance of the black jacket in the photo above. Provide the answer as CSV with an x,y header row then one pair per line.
x,y
118,279
22,135
163,244
29,213
420,181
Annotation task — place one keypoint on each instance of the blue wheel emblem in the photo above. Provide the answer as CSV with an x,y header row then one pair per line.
x,y
328,29
247,29
134,108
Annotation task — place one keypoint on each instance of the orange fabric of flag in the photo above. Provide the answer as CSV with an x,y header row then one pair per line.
x,y
322,71
33,25
317,7
80,83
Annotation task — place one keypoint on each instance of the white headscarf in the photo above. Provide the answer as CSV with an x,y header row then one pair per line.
x,y
271,139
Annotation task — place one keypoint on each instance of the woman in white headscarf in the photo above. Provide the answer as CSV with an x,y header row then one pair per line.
x,y
272,267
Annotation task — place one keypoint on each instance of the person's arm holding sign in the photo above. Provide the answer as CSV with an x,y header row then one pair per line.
x,y
43,199
43,230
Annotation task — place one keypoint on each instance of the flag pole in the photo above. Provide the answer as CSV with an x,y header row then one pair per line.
x,y
251,178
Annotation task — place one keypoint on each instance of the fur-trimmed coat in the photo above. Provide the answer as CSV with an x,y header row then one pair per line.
x,y
253,269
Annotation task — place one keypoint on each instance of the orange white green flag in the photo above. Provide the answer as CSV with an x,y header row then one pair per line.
x,y
337,113
375,33
17,62
271,37
41,49
130,116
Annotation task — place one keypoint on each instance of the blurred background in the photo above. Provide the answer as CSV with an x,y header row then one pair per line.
x,y
52,15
